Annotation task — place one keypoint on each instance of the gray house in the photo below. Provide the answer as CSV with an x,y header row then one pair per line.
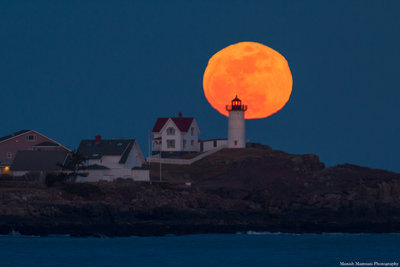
x,y
38,162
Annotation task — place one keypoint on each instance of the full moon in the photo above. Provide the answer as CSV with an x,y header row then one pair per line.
x,y
257,74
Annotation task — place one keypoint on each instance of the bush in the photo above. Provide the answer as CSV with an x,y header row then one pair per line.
x,y
53,179
82,189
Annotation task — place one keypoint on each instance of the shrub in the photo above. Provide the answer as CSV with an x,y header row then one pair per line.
x,y
53,179
82,189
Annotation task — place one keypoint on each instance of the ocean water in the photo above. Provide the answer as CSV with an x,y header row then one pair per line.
x,y
250,249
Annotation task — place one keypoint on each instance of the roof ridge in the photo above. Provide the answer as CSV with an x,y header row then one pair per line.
x,y
183,123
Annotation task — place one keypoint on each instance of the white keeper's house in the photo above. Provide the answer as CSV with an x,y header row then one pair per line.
x,y
175,136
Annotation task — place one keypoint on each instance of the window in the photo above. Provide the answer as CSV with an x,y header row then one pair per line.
x,y
9,155
31,138
170,143
192,143
170,131
192,131
184,144
215,143
236,142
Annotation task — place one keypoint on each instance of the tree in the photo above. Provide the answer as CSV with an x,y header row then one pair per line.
x,y
74,164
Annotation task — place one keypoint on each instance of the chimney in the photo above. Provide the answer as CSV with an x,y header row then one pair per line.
x,y
180,114
97,139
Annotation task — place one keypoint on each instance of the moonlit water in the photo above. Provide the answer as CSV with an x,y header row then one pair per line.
x,y
251,249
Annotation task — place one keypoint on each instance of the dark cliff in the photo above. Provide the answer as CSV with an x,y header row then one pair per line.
x,y
256,189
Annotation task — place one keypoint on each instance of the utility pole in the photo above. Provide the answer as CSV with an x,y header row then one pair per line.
x,y
148,154
160,167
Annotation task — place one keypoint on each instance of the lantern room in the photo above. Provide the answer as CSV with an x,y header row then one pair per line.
x,y
236,105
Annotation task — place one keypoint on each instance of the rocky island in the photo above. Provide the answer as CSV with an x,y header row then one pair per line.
x,y
251,189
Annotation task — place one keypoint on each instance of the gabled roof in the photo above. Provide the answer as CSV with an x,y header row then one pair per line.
x,y
13,134
182,123
116,147
4,138
126,152
47,144
36,160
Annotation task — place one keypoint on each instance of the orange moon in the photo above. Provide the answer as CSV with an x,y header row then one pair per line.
x,y
257,74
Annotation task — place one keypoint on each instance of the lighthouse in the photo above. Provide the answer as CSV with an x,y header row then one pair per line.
x,y
236,125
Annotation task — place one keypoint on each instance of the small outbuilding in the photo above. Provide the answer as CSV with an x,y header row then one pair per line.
x,y
207,145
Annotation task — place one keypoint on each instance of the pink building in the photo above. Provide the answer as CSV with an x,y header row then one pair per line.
x,y
24,140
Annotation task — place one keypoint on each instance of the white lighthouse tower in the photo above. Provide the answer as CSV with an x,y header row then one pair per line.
x,y
236,125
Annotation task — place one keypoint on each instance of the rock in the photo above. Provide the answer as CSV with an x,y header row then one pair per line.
x,y
385,192
232,190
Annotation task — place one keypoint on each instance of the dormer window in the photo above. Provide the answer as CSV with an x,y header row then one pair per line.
x,y
31,138
170,131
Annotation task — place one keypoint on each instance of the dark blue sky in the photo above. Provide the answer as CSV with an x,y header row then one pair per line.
x,y
74,69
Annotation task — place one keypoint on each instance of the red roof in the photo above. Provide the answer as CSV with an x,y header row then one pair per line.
x,y
183,124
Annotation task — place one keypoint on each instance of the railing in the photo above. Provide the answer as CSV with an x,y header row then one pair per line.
x,y
236,107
